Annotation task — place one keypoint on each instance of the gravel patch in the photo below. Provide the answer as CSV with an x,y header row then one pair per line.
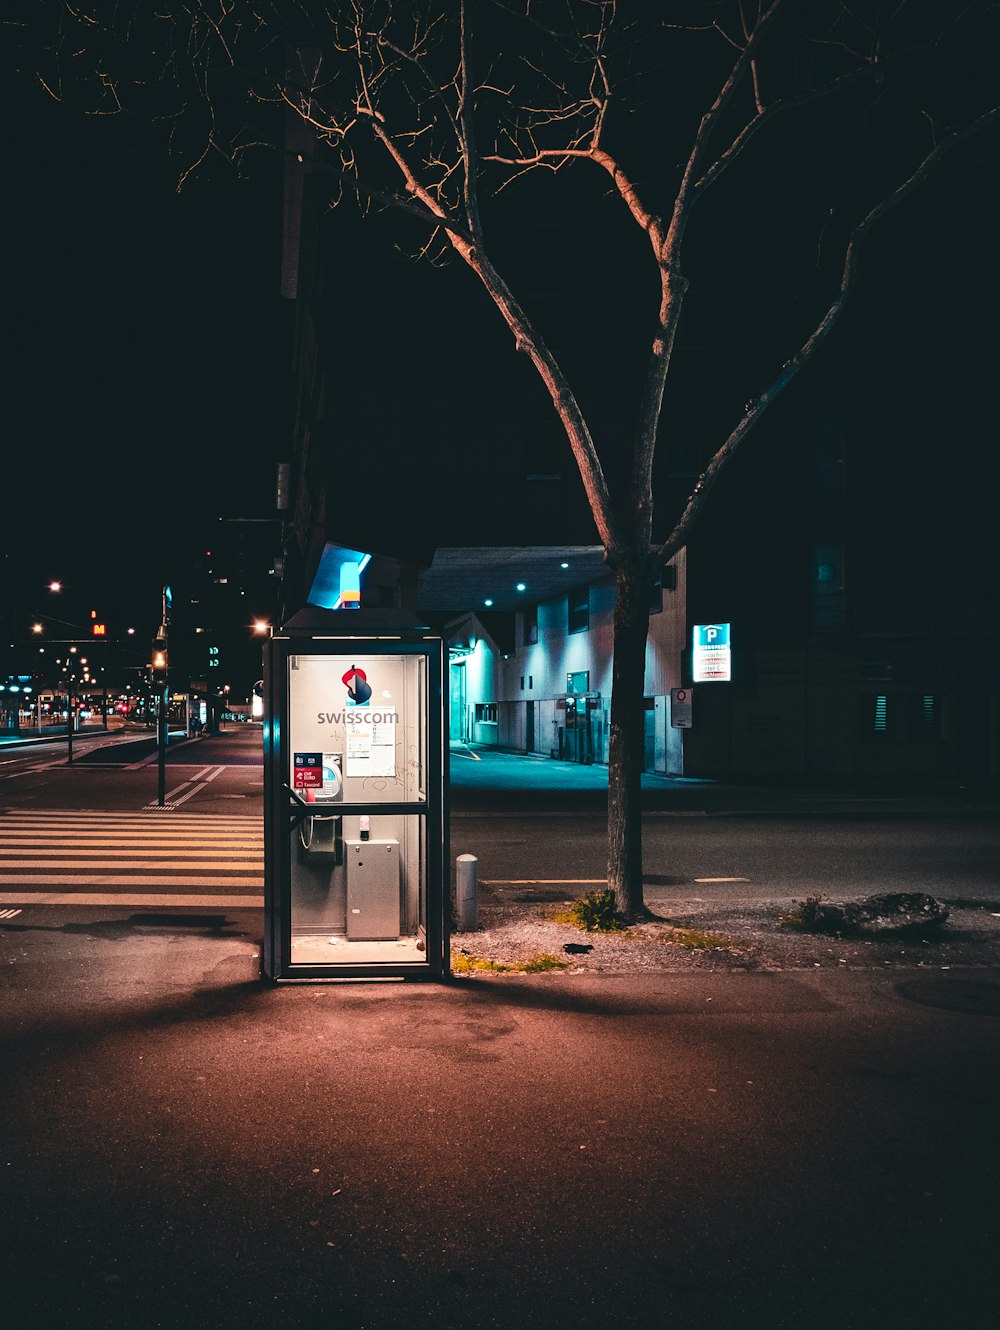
x,y
735,936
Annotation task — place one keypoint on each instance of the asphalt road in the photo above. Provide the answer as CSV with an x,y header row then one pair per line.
x,y
752,858
120,772
547,823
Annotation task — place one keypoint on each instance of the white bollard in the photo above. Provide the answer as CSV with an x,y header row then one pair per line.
x,y
467,892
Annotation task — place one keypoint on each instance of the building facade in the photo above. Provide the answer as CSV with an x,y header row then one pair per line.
x,y
542,685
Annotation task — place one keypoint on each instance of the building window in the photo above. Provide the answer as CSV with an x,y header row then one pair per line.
x,y
486,713
829,455
878,718
829,594
530,625
925,719
578,682
579,610
665,580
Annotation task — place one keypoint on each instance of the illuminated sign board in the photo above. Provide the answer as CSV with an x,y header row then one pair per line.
x,y
711,655
680,708
350,586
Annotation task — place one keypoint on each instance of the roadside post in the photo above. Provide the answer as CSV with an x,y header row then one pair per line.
x,y
467,892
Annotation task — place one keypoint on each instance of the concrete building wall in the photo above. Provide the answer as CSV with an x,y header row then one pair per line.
x,y
843,711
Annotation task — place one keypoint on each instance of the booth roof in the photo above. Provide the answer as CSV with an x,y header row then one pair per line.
x,y
354,623
506,577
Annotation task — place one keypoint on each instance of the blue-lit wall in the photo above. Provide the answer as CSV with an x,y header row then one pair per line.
x,y
513,701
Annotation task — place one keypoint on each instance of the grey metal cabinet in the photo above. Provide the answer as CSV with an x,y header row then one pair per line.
x,y
372,889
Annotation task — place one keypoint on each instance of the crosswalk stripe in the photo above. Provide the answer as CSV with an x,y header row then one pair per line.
x,y
220,858
31,849
131,901
131,880
29,815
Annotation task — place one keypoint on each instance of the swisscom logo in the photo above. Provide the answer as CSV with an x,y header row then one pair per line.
x,y
358,688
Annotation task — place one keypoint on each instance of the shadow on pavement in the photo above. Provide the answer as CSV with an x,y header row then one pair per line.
x,y
138,925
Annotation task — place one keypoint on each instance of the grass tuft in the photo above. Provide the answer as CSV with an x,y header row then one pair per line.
x,y
594,913
696,939
467,963
803,916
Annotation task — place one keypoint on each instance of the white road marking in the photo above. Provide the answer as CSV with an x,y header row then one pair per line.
x,y
543,881
162,847
97,879
114,899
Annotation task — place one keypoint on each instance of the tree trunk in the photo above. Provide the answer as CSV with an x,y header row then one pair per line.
x,y
627,738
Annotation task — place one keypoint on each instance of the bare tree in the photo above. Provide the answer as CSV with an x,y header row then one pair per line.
x,y
443,110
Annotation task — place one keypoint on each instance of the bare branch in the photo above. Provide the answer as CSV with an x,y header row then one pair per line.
x,y
754,71
467,128
769,113
432,217
711,118
679,535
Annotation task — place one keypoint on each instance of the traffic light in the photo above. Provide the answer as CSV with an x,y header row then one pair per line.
x,y
213,657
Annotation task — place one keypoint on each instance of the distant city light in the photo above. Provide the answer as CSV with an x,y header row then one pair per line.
x,y
55,586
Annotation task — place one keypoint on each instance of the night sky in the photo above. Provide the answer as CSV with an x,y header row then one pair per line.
x,y
147,390
146,378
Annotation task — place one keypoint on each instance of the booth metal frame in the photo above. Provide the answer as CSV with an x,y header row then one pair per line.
x,y
339,631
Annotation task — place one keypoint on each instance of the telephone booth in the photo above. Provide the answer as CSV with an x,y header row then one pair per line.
x,y
356,878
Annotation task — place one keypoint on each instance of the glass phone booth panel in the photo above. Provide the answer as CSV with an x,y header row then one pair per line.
x,y
360,759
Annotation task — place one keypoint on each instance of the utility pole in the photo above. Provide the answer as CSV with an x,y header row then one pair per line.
x,y
69,718
163,693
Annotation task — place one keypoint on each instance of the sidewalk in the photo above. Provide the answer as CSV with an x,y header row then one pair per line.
x,y
482,778
656,1136
188,1149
